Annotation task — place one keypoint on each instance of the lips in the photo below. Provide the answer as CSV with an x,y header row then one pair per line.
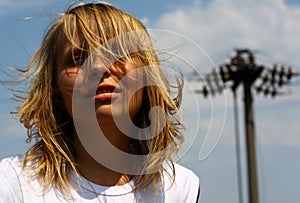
x,y
106,92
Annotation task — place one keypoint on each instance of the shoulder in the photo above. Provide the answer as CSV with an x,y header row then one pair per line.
x,y
184,173
11,166
10,187
186,178
185,187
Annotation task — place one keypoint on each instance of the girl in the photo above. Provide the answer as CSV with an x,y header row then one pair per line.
x,y
101,112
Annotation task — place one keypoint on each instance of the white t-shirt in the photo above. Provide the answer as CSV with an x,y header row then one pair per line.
x,y
17,185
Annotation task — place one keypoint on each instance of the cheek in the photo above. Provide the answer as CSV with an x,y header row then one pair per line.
x,y
65,83
67,77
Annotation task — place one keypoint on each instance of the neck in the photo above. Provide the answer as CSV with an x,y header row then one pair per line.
x,y
93,171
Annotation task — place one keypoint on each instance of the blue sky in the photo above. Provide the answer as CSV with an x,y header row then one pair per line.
x,y
217,26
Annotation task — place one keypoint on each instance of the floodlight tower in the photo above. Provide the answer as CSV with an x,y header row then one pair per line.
x,y
243,70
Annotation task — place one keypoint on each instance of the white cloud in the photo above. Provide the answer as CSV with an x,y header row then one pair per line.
x,y
270,25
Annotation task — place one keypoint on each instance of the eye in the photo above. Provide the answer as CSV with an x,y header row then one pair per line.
x,y
79,60
76,60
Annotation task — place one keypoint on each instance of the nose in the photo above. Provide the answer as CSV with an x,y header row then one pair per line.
x,y
99,71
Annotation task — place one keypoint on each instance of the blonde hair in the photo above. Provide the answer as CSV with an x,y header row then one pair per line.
x,y
53,155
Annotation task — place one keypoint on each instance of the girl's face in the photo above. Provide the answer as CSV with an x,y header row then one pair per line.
x,y
108,91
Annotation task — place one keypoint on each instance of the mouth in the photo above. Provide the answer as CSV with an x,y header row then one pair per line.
x,y
106,93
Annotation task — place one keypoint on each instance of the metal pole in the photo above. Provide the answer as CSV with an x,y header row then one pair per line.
x,y
238,151
251,155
